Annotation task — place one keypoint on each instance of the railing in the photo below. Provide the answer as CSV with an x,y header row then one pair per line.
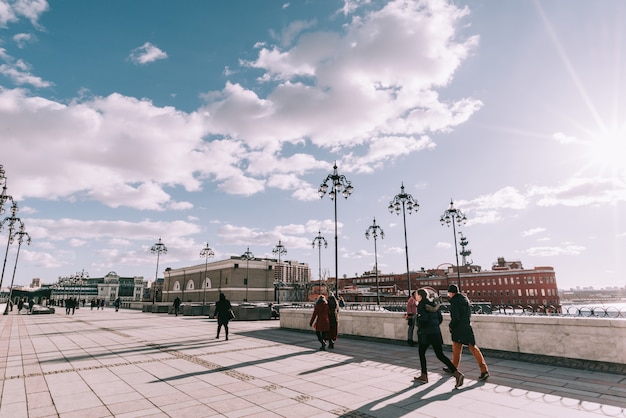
x,y
487,309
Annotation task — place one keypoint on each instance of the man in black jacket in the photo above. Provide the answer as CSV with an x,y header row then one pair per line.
x,y
462,332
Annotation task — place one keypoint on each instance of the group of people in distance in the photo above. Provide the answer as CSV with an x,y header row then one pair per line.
x,y
424,314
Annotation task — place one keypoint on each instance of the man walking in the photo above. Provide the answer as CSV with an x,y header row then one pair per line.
x,y
462,332
411,317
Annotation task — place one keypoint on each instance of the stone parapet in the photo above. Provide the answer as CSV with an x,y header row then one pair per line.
x,y
599,340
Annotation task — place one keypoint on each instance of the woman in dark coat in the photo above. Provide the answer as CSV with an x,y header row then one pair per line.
x,y
333,319
429,319
223,311
321,320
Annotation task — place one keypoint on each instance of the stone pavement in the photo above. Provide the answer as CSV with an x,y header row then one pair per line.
x,y
133,364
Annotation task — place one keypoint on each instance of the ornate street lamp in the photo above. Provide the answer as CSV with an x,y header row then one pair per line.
x,y
20,235
338,184
248,256
158,249
319,240
374,230
12,221
278,250
4,197
455,217
207,253
406,202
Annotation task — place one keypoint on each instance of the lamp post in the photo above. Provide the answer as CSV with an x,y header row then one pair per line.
x,y
11,221
248,256
406,202
374,230
207,253
337,183
319,240
158,249
279,250
454,216
20,235
80,276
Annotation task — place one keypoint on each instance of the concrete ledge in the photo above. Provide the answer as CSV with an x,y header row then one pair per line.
x,y
596,342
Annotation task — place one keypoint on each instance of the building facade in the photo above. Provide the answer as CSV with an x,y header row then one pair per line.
x,y
507,284
257,279
107,288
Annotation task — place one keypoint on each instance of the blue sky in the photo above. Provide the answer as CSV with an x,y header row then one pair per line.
x,y
123,122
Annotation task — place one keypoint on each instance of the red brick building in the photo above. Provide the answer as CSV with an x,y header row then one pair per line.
x,y
506,284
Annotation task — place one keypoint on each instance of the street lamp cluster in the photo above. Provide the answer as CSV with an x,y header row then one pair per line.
x,y
404,202
207,252
279,250
248,256
333,185
375,231
455,217
16,232
158,249
338,185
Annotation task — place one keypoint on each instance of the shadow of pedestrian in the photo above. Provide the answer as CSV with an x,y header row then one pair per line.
x,y
407,400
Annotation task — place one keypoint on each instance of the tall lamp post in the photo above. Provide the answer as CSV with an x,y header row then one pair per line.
x,y
279,250
375,230
158,249
338,184
12,221
80,276
207,252
248,256
319,240
20,235
455,217
406,202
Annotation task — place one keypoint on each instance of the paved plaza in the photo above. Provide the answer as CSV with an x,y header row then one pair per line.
x,y
131,364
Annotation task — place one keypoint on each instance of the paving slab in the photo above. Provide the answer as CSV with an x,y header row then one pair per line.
x,y
138,364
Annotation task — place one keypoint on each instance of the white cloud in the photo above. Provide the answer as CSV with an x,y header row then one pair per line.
x,y
21,39
533,231
565,139
581,192
567,249
19,72
146,53
369,101
11,12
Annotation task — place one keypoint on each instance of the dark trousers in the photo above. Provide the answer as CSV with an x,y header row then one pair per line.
x,y
433,340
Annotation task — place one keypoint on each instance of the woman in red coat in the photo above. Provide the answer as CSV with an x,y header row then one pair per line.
x,y
321,320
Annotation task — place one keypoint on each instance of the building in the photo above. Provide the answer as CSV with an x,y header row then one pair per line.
x,y
257,279
507,284
107,288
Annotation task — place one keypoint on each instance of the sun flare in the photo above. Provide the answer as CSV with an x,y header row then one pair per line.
x,y
607,151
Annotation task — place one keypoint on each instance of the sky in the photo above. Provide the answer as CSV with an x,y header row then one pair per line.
x,y
122,123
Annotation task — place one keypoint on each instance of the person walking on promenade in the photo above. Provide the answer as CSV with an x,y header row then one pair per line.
x,y
462,332
429,319
20,305
176,305
117,304
320,320
93,303
333,320
223,313
411,316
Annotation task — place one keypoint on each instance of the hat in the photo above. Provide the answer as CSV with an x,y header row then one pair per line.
x,y
453,289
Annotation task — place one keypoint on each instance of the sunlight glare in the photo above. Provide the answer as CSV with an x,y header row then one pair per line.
x,y
608,151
